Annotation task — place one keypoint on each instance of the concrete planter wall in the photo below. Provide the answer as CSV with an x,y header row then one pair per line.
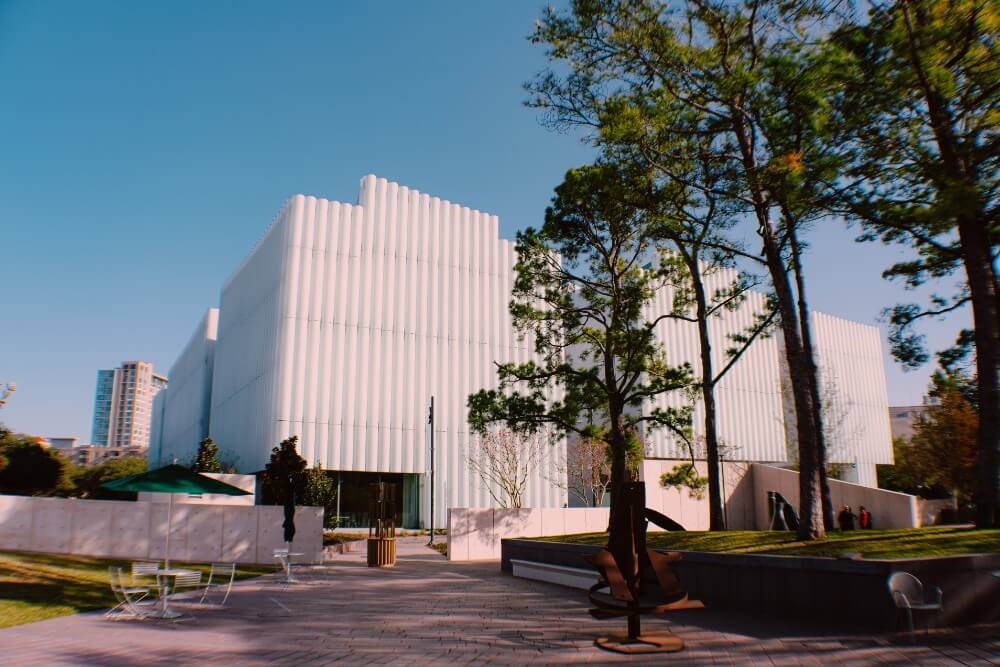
x,y
834,590
137,530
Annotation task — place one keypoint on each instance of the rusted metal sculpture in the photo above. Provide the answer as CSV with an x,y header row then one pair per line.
x,y
382,525
621,565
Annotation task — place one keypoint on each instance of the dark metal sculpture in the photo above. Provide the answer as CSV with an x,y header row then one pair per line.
x,y
783,516
382,525
621,566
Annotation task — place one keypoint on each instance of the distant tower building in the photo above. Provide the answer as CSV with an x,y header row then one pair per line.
x,y
123,404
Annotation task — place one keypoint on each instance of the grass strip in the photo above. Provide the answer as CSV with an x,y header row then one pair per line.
x,y
871,544
37,586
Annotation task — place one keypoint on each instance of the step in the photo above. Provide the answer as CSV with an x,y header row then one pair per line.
x,y
573,577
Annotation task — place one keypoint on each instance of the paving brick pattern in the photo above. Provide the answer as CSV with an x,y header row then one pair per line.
x,y
427,611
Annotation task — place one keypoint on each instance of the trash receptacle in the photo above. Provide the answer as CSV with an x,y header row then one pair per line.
x,y
382,528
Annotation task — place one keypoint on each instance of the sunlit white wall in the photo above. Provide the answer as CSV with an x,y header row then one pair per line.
x,y
181,412
753,398
343,322
750,418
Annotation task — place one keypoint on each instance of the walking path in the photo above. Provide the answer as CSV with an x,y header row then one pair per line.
x,y
427,611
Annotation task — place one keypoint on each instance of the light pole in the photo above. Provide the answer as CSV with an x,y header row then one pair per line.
x,y
430,420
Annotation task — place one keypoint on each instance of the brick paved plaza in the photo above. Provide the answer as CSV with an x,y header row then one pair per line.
x,y
429,611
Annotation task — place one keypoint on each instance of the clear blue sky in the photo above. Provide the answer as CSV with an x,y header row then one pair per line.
x,y
144,147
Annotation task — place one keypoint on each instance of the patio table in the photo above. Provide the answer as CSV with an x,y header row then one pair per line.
x,y
165,591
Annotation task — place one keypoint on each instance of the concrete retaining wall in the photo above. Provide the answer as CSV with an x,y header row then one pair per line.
x,y
840,592
474,533
889,509
137,530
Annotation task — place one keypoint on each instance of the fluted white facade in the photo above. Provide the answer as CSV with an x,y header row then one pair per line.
x,y
346,319
853,391
754,411
181,417
750,417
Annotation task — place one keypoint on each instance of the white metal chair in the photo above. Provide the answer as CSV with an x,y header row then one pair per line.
x,y
130,600
225,573
144,573
186,580
908,593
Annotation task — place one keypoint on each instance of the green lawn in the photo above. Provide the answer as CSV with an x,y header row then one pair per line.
x,y
34,586
331,537
872,544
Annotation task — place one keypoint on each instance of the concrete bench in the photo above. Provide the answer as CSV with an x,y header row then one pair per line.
x,y
562,575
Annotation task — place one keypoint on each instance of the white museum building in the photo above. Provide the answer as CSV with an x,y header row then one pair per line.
x,y
345,319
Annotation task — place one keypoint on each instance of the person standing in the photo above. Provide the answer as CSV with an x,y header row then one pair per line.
x,y
864,518
846,518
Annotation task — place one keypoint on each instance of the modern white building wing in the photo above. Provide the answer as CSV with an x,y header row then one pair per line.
x,y
755,416
345,319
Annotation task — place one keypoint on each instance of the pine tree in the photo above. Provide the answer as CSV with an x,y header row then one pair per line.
x,y
207,459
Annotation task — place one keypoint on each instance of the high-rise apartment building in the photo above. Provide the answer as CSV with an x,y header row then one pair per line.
x,y
123,404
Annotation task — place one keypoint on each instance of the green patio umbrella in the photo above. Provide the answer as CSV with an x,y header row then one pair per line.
x,y
173,479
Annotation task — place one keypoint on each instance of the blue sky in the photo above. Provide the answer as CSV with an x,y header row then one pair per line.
x,y
144,147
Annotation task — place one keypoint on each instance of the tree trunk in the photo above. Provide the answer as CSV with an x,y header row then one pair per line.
x,y
810,503
622,538
805,326
716,515
976,247
983,290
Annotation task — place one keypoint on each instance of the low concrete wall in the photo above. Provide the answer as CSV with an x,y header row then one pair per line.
x,y
738,495
137,530
841,592
474,533
889,509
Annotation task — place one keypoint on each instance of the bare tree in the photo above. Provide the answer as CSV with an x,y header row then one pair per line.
x,y
504,460
586,472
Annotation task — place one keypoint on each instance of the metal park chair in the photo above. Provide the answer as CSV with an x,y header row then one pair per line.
x,y
908,593
224,574
131,600
187,580
144,573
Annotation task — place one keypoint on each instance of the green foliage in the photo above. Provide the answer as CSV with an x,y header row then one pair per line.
x,y
30,469
942,456
207,459
578,300
86,482
725,104
284,473
905,475
917,122
635,452
319,490
685,476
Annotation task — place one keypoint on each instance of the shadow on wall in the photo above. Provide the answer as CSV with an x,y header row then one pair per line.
x,y
740,496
